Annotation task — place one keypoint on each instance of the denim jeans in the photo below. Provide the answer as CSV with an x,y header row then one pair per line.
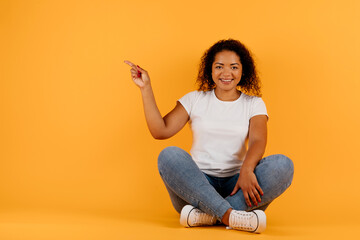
x,y
187,184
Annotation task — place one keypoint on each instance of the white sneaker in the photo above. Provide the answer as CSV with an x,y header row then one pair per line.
x,y
193,217
254,221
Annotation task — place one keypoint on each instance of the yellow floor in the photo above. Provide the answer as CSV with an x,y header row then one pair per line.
x,y
26,225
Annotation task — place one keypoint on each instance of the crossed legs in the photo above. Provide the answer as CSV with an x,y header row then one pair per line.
x,y
187,184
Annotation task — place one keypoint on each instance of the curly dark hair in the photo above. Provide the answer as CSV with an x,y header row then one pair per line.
x,y
249,83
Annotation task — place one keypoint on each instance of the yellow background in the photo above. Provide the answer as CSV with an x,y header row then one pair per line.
x,y
74,142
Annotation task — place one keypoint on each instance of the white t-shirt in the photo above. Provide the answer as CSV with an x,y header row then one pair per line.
x,y
220,130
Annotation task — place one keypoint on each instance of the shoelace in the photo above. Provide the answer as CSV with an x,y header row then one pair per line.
x,y
241,221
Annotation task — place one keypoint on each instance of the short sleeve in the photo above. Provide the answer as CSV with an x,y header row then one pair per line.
x,y
258,107
188,101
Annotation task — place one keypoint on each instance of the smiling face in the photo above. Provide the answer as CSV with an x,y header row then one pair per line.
x,y
226,71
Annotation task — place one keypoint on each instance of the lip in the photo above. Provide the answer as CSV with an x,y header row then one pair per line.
x,y
226,81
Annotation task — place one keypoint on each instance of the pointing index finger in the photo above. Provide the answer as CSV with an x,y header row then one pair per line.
x,y
130,64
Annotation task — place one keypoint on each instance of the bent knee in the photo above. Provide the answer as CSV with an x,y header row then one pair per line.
x,y
169,155
281,166
286,163
168,152
286,166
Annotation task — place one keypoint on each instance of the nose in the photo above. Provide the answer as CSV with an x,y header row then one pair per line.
x,y
226,72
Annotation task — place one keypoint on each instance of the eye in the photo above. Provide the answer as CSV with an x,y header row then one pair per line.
x,y
218,67
234,67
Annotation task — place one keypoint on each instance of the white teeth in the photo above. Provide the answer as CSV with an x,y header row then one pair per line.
x,y
226,80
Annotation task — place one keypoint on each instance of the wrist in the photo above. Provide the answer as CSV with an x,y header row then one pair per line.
x,y
247,168
146,88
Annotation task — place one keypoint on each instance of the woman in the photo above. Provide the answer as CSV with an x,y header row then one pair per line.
x,y
225,178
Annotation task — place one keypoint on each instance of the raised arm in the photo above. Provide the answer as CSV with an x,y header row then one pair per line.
x,y
159,127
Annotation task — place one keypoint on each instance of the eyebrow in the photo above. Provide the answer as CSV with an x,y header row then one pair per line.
x,y
230,64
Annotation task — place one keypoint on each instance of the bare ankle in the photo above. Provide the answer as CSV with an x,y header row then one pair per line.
x,y
225,218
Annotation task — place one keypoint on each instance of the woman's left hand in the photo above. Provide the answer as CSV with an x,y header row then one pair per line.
x,y
250,187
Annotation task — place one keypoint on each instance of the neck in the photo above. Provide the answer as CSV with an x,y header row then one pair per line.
x,y
230,95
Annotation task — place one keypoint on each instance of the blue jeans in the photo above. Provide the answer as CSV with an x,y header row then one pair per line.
x,y
187,184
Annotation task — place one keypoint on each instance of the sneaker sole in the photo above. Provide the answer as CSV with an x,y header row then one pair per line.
x,y
185,212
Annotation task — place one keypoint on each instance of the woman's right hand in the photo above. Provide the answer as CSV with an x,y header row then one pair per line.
x,y
139,76
160,127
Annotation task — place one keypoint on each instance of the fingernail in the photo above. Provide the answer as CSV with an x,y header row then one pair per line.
x,y
138,66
